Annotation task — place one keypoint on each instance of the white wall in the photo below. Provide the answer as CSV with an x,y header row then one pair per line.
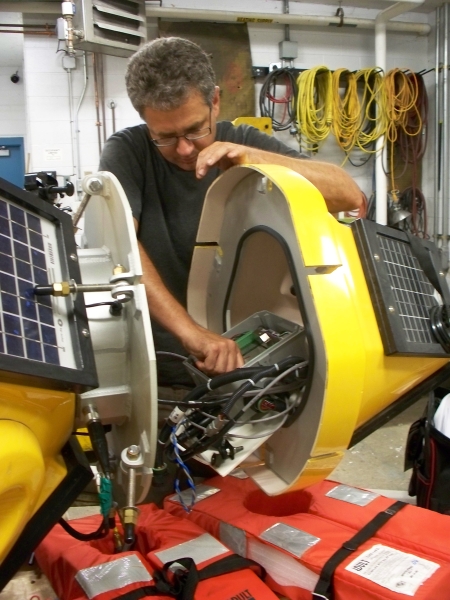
x,y
12,96
50,143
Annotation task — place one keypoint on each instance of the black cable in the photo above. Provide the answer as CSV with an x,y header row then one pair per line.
x,y
101,532
268,99
274,370
218,399
198,392
170,354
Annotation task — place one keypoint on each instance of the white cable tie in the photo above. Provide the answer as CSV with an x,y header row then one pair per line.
x,y
252,382
276,366
208,385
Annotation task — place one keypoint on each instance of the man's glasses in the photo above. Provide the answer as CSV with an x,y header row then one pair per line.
x,y
191,136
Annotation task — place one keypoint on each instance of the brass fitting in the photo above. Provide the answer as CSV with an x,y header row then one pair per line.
x,y
118,270
130,515
61,288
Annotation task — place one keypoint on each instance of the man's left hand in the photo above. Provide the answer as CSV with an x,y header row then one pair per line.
x,y
223,155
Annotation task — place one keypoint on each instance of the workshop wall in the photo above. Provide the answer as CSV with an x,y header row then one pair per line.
x,y
50,139
12,96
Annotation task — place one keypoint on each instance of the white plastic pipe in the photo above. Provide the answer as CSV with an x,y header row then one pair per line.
x,y
282,19
381,23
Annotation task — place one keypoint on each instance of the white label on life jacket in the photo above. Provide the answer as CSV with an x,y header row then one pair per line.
x,y
395,570
352,495
112,575
204,547
289,538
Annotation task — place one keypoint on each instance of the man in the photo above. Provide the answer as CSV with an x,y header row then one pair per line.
x,y
166,167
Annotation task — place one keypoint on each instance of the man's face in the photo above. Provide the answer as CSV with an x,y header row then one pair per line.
x,y
191,117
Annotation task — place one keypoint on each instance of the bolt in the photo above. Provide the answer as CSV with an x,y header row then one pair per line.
x,y
73,257
95,185
376,257
133,452
85,332
391,309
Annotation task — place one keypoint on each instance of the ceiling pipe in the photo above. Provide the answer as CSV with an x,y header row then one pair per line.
x,y
381,24
39,8
280,19
54,8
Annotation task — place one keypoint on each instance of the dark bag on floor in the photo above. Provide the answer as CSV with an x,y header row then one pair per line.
x,y
428,454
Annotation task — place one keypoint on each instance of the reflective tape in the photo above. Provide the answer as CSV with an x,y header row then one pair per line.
x,y
204,547
112,575
234,538
289,538
202,491
352,495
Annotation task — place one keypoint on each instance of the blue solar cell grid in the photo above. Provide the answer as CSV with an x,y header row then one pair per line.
x,y
413,293
26,321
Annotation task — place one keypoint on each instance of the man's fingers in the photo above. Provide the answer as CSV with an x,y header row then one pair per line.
x,y
222,154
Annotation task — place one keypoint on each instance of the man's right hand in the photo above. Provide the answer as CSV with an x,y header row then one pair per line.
x,y
215,354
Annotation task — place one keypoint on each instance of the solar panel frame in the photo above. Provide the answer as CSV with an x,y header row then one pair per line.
x,y
41,373
400,291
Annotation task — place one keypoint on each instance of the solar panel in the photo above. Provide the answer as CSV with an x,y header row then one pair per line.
x,y
43,336
401,293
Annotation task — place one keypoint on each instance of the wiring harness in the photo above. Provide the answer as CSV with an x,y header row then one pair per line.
x,y
212,416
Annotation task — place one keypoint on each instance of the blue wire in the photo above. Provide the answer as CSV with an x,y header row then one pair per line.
x,y
180,463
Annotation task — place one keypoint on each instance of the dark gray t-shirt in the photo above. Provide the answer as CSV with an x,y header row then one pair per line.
x,y
167,202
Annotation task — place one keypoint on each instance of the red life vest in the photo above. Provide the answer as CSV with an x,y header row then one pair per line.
x,y
294,535
80,570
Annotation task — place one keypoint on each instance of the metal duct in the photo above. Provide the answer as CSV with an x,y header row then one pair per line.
x,y
116,27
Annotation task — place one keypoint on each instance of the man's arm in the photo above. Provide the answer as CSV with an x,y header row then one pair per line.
x,y
215,353
336,186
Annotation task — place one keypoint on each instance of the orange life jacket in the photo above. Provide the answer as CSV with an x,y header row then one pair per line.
x,y
90,570
294,535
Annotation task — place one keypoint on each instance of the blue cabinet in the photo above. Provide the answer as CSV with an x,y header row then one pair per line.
x,y
12,160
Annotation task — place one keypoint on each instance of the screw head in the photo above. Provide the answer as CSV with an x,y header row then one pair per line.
x,y
391,309
95,185
85,333
73,257
133,452
376,257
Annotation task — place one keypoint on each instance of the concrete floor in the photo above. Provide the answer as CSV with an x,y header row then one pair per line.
x,y
375,463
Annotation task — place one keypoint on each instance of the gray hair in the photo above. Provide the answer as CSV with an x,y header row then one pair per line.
x,y
164,72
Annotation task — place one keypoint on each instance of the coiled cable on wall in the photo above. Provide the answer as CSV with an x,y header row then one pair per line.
x,y
314,107
407,134
373,115
401,96
359,114
345,109
271,105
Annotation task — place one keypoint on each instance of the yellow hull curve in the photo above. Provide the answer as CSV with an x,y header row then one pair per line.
x,y
352,378
358,371
34,426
